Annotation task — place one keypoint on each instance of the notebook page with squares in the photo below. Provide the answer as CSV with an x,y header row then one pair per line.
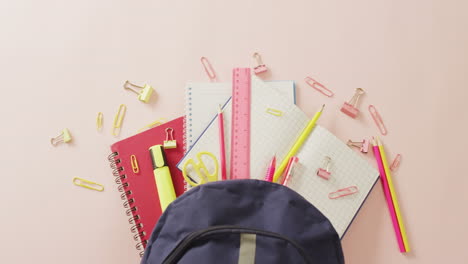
x,y
271,134
347,169
264,95
202,100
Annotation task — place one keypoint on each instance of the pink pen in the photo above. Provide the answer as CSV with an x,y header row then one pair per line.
x,y
289,170
271,170
388,196
222,147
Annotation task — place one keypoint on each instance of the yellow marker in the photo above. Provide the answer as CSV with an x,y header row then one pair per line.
x,y
393,194
118,119
88,184
64,137
298,144
162,176
99,121
145,92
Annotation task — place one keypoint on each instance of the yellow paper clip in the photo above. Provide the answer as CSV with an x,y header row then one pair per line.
x,y
88,184
99,121
145,92
134,162
274,112
153,124
118,120
64,137
170,142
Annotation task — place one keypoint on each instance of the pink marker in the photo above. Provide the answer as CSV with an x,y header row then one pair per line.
x,y
222,146
388,197
271,170
289,170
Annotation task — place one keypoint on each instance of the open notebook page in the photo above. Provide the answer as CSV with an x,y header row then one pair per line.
x,y
275,135
202,100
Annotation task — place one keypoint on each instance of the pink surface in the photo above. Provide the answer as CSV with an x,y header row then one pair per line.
x,y
388,198
63,61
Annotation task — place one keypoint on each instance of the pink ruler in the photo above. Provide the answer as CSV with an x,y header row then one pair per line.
x,y
240,134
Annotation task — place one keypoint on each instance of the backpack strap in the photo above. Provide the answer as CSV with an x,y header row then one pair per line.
x,y
247,248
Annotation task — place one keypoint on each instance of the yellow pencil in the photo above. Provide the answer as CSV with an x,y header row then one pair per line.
x,y
393,194
298,144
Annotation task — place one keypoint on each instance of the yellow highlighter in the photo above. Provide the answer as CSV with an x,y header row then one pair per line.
x,y
162,176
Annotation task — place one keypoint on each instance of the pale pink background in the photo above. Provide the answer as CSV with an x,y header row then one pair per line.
x,y
62,62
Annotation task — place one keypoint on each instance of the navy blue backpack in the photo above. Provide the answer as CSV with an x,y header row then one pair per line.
x,y
243,221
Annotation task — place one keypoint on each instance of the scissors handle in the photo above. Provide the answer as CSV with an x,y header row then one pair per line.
x,y
201,170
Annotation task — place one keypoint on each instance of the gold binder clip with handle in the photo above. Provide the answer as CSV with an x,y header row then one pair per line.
x,y
64,137
170,142
144,93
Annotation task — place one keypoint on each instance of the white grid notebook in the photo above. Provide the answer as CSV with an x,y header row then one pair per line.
x,y
275,135
202,100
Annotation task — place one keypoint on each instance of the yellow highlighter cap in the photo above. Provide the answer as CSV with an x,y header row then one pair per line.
x,y
158,156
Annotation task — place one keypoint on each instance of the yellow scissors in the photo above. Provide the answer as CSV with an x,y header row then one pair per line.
x,y
200,169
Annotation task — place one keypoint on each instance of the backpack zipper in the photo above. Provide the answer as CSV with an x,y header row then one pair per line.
x,y
184,245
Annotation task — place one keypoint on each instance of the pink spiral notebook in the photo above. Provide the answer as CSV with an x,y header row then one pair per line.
x,y
138,190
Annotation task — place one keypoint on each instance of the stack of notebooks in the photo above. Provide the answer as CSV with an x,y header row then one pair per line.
x,y
269,135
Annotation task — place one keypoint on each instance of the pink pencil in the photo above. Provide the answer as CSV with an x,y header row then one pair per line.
x,y
388,197
271,170
222,147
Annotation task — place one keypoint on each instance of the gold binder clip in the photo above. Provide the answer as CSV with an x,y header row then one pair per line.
x,y
134,163
118,120
64,137
153,124
170,142
145,92
99,121
88,184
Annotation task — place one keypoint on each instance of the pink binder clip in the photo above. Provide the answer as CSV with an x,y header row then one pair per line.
x,y
349,108
363,145
396,162
377,119
318,86
343,192
325,172
260,66
208,69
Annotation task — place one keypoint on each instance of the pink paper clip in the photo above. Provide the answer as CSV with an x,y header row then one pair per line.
x,y
208,69
289,170
260,65
349,108
363,145
325,172
343,192
377,119
318,86
396,162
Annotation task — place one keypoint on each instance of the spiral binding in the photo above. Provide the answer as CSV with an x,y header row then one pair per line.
x,y
188,100
123,186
